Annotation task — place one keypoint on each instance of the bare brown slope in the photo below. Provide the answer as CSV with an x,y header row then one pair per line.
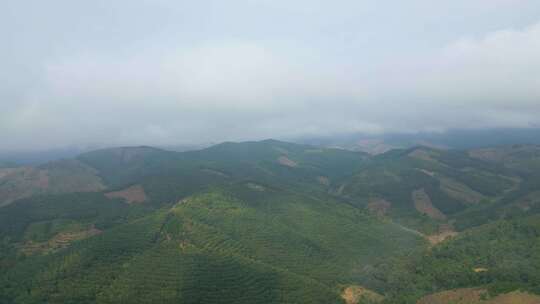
x,y
478,296
56,177
133,194
423,204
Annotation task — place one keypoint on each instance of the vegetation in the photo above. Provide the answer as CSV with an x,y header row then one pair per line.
x,y
273,222
503,256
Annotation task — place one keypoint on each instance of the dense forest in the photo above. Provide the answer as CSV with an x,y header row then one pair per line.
x,y
272,222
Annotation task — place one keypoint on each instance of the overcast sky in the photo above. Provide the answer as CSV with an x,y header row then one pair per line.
x,y
161,72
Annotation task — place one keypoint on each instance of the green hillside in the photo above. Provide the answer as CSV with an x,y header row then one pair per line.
x,y
272,222
170,176
267,246
502,256
451,180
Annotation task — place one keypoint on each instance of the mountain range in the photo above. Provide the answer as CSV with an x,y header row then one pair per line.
x,y
273,222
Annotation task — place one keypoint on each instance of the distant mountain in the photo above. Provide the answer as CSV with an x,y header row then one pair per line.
x,y
272,222
8,164
39,157
451,139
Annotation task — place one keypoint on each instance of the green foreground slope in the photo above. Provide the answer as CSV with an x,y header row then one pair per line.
x,y
502,256
236,244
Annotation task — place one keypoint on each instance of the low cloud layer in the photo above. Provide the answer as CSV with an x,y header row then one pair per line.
x,y
163,73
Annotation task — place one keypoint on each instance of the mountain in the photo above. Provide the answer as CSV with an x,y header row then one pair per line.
x,y
272,222
425,188
450,139
525,158
39,157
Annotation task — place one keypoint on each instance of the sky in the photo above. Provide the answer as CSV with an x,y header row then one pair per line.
x,y
160,72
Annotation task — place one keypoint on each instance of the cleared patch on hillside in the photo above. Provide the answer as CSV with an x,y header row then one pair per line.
x,y
72,176
422,203
323,180
458,296
53,178
516,297
478,296
21,182
379,206
59,241
284,160
459,191
446,231
357,294
373,146
257,187
341,189
480,269
133,194
423,154
426,172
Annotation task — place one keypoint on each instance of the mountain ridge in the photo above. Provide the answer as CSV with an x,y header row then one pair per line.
x,y
328,222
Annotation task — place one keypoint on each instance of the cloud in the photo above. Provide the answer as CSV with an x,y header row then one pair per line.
x,y
501,68
155,91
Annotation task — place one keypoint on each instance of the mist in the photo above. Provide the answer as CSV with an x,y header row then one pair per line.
x,y
170,72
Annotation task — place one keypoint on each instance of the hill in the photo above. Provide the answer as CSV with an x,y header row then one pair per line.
x,y
271,222
502,256
266,245
56,177
425,188
169,176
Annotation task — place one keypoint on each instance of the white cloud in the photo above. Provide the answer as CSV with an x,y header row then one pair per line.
x,y
159,91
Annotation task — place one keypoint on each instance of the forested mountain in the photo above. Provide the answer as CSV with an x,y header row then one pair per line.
x,y
273,222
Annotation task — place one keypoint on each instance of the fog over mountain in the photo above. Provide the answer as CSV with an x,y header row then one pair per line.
x,y
187,72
